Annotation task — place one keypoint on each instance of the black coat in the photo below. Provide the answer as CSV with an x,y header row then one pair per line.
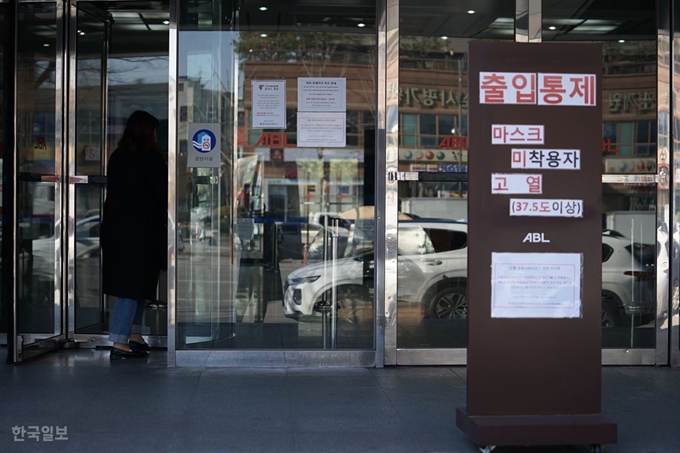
x,y
133,230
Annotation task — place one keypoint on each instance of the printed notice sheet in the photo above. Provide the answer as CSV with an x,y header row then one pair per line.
x,y
322,94
536,285
269,104
321,130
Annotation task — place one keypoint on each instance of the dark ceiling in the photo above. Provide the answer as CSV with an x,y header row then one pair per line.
x,y
144,23
573,20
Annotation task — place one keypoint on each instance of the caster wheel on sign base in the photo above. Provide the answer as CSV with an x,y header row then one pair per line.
x,y
596,448
487,449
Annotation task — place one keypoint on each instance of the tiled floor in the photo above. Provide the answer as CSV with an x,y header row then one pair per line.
x,y
146,407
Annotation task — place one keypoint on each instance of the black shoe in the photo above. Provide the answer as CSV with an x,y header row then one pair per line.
x,y
122,354
139,347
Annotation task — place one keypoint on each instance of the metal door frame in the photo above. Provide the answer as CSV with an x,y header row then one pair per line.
x,y
80,339
360,358
16,341
65,135
70,148
386,351
528,29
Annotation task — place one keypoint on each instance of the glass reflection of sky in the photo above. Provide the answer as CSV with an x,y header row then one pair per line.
x,y
125,71
201,52
138,70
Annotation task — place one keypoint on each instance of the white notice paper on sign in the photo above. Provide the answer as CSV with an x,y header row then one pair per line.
x,y
548,159
204,145
542,207
321,130
507,88
536,285
567,89
269,104
516,183
513,134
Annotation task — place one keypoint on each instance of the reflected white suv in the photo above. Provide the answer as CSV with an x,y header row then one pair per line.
x,y
432,271
432,268
628,279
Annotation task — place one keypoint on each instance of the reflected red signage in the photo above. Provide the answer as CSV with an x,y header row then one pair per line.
x,y
457,142
450,142
278,139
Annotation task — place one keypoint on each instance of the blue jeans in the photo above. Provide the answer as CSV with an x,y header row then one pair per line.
x,y
126,319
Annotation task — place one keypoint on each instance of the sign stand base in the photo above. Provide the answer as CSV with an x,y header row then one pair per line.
x,y
516,430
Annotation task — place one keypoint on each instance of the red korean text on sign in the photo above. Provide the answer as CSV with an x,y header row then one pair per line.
x,y
516,183
492,87
525,84
545,208
507,87
583,89
519,158
501,183
534,183
567,89
503,134
551,89
518,135
549,159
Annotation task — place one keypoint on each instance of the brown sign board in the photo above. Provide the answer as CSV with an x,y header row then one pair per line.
x,y
534,258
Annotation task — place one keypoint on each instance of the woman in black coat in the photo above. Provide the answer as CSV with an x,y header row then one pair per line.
x,y
133,231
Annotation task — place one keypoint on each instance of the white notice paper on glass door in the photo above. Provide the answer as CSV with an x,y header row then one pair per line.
x,y
269,104
536,285
322,94
321,130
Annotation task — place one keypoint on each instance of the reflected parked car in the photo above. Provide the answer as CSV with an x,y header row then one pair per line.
x,y
86,238
36,283
432,272
628,279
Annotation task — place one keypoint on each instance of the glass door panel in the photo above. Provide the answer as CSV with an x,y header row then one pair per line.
x,y
38,193
279,233
630,241
432,265
137,79
121,65
90,313
432,225
204,275
634,281
432,128
87,167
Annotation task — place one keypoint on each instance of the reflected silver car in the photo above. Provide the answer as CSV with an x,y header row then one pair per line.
x,y
37,274
432,257
628,279
432,272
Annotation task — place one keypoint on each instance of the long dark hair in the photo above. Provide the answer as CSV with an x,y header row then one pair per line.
x,y
140,132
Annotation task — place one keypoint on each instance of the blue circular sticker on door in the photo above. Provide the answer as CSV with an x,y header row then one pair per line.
x,y
204,141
